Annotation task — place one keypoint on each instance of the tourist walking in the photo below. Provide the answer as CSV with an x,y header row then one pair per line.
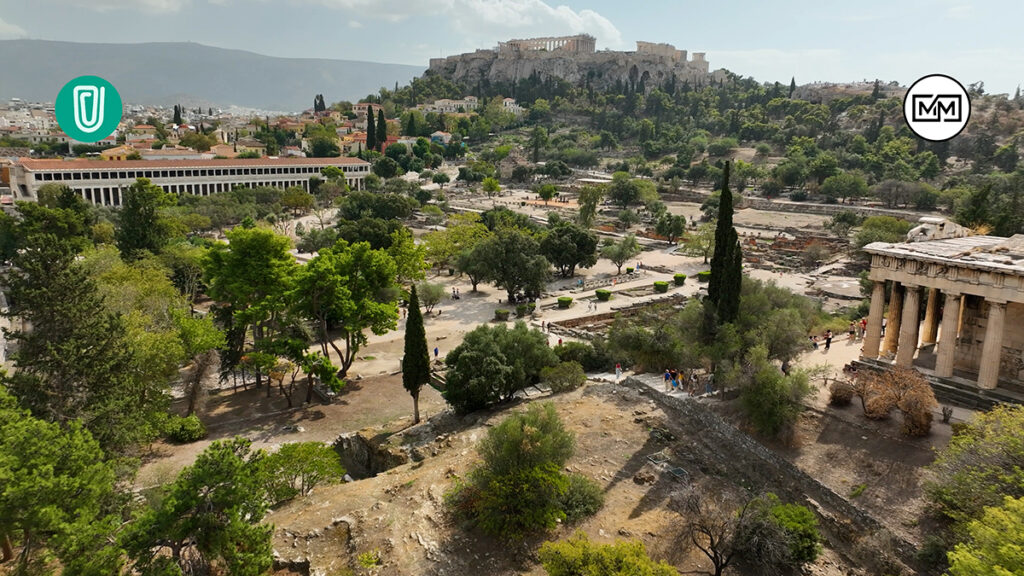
x,y
668,380
851,332
618,372
436,352
828,339
884,322
863,327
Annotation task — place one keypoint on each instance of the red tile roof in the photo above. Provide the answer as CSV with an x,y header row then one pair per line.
x,y
33,164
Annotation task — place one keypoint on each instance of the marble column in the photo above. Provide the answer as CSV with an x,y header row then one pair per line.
x,y
892,327
988,375
873,336
931,318
947,340
909,326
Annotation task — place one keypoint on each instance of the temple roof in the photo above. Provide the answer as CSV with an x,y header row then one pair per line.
x,y
985,252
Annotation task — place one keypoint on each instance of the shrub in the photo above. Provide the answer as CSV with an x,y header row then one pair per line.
x,y
629,269
501,315
798,196
840,393
526,440
513,505
185,430
297,467
518,488
521,310
981,465
603,295
994,543
773,400
679,279
578,555
592,356
661,287
904,389
564,301
582,498
801,526
704,276
564,377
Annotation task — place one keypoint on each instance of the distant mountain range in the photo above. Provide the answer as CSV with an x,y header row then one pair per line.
x,y
165,73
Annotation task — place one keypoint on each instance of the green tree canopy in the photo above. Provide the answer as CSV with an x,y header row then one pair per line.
x,y
620,252
493,363
57,485
141,227
994,544
210,514
567,246
515,262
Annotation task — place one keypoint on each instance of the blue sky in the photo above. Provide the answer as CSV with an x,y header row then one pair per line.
x,y
827,40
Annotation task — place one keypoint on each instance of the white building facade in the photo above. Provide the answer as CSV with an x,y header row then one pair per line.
x,y
102,182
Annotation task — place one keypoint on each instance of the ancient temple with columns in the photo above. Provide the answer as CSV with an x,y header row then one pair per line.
x,y
954,310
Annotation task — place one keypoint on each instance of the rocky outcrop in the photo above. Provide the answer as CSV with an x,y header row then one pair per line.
x,y
602,70
364,455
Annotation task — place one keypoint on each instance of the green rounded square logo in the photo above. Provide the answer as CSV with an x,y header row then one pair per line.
x,y
88,109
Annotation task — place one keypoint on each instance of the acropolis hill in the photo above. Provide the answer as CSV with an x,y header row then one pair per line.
x,y
576,60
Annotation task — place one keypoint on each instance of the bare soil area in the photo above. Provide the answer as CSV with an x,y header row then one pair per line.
x,y
399,515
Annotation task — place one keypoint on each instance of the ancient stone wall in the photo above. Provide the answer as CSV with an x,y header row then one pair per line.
x,y
771,464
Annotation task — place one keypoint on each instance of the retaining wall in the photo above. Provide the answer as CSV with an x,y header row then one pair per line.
x,y
699,415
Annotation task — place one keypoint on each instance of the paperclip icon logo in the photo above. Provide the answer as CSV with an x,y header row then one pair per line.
x,y
88,109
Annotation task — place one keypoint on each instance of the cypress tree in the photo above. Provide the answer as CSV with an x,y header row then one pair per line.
x,y
727,262
792,86
177,114
382,128
729,303
371,131
722,244
416,362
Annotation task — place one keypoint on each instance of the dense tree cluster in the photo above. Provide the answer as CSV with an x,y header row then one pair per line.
x,y
104,324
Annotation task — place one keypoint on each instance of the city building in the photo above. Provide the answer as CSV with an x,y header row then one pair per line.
x,y
101,182
117,153
448,106
971,291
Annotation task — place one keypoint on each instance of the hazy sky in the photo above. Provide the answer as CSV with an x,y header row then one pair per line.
x,y
828,40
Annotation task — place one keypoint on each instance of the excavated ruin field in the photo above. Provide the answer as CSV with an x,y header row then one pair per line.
x,y
398,515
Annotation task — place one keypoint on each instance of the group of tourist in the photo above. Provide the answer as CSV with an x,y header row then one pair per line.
x,y
684,380
855,331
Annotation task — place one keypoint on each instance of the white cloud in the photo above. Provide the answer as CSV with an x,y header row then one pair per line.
x,y
484,22
10,31
391,10
355,24
155,6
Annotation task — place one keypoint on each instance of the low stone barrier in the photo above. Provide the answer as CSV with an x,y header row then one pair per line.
x,y
701,417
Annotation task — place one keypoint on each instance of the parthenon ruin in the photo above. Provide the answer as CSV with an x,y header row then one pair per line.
x,y
580,44
971,292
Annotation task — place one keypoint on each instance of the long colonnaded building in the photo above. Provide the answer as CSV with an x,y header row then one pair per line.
x,y
101,182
